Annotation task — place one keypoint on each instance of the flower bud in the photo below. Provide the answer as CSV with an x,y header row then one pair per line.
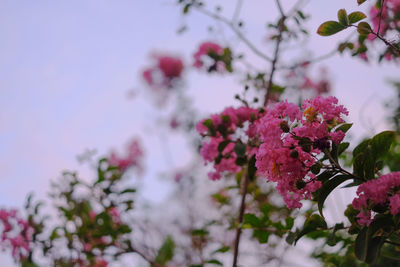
x,y
300,184
284,126
294,154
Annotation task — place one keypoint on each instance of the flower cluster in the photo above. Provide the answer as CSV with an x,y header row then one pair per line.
x,y
292,138
16,233
132,158
164,73
225,147
209,50
379,196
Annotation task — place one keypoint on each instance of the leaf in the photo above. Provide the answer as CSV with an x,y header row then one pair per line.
x,y
252,219
344,127
359,2
291,237
312,223
356,17
342,147
364,28
328,187
221,250
222,145
331,241
381,143
166,252
128,190
361,245
240,149
342,17
214,261
261,235
329,28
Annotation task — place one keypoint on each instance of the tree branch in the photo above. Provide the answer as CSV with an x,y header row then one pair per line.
x,y
245,184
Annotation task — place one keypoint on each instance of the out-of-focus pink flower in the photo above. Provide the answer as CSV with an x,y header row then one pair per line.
x,y
164,72
17,234
92,215
100,262
132,158
204,50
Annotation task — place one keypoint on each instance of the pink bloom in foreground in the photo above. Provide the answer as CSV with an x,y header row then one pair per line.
x,y
292,139
382,192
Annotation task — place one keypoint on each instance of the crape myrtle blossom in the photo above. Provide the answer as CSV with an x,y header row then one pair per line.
x,y
222,134
133,157
164,73
378,195
291,139
15,233
286,140
209,50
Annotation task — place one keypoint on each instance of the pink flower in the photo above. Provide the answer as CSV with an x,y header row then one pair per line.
x,y
132,157
204,50
219,145
381,192
100,262
164,72
291,141
92,215
17,234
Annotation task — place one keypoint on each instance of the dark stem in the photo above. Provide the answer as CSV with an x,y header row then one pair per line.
x,y
276,56
245,184
380,16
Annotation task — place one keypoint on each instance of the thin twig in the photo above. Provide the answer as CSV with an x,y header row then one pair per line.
x,y
245,184
237,11
276,53
236,31
380,16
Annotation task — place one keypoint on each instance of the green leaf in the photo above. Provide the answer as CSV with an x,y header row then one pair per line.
x,y
240,149
331,241
342,17
252,219
221,250
344,127
356,17
128,190
291,237
222,145
359,2
364,28
328,187
381,143
312,223
361,245
166,252
186,8
342,147
214,261
261,235
329,28
200,232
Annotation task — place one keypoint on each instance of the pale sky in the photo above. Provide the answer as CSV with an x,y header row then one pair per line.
x,y
67,68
